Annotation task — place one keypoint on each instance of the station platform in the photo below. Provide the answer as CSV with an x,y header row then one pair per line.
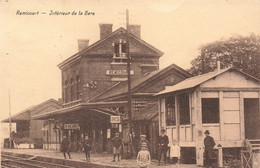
x,y
97,160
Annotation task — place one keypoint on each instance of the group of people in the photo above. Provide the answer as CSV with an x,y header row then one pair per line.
x,y
65,147
144,158
141,149
143,155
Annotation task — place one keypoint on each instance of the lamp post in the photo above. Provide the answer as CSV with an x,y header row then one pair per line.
x,y
55,128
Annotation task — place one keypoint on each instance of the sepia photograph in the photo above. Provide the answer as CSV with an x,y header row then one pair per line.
x,y
148,83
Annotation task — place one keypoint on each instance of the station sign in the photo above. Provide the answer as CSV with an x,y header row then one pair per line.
x,y
114,125
71,126
118,72
115,119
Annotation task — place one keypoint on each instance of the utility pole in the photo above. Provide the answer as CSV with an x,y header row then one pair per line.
x,y
129,96
10,122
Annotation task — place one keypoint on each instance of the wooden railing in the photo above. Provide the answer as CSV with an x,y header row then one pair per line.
x,y
21,134
250,156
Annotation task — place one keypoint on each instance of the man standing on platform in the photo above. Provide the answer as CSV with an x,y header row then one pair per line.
x,y
135,144
87,147
209,144
163,142
65,146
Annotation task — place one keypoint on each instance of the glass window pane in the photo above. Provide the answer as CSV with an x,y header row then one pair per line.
x,y
210,110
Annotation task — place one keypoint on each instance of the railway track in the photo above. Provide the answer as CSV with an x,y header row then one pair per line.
x,y
8,161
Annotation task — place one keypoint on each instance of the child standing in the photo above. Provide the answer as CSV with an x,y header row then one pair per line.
x,y
175,153
117,145
143,156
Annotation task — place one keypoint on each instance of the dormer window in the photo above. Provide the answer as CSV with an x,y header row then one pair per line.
x,y
120,52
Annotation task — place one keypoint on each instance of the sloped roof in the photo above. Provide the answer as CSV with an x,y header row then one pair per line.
x,y
23,115
148,113
26,113
197,80
78,55
121,88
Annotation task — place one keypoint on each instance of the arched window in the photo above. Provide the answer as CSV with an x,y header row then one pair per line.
x,y
66,91
77,88
71,89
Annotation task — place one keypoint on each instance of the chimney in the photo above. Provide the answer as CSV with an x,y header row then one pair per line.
x,y
135,30
82,44
105,29
60,100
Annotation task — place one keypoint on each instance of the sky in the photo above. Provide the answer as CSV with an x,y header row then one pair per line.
x,y
31,46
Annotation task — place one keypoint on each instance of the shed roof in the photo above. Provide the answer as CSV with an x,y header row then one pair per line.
x,y
148,113
197,80
121,88
26,113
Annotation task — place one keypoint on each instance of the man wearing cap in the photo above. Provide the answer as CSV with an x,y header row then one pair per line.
x,y
143,139
117,145
209,144
163,142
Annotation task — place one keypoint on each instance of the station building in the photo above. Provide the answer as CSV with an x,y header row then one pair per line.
x,y
144,105
94,88
225,102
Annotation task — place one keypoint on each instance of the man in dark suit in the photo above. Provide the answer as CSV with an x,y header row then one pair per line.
x,y
87,147
163,142
65,146
135,144
209,144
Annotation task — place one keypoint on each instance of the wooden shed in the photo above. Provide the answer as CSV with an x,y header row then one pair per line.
x,y
28,130
225,102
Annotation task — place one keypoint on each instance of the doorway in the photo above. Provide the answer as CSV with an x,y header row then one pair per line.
x,y
252,118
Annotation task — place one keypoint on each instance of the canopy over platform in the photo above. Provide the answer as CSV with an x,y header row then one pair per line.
x,y
107,108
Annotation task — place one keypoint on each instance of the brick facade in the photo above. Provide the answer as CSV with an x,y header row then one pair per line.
x,y
96,68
